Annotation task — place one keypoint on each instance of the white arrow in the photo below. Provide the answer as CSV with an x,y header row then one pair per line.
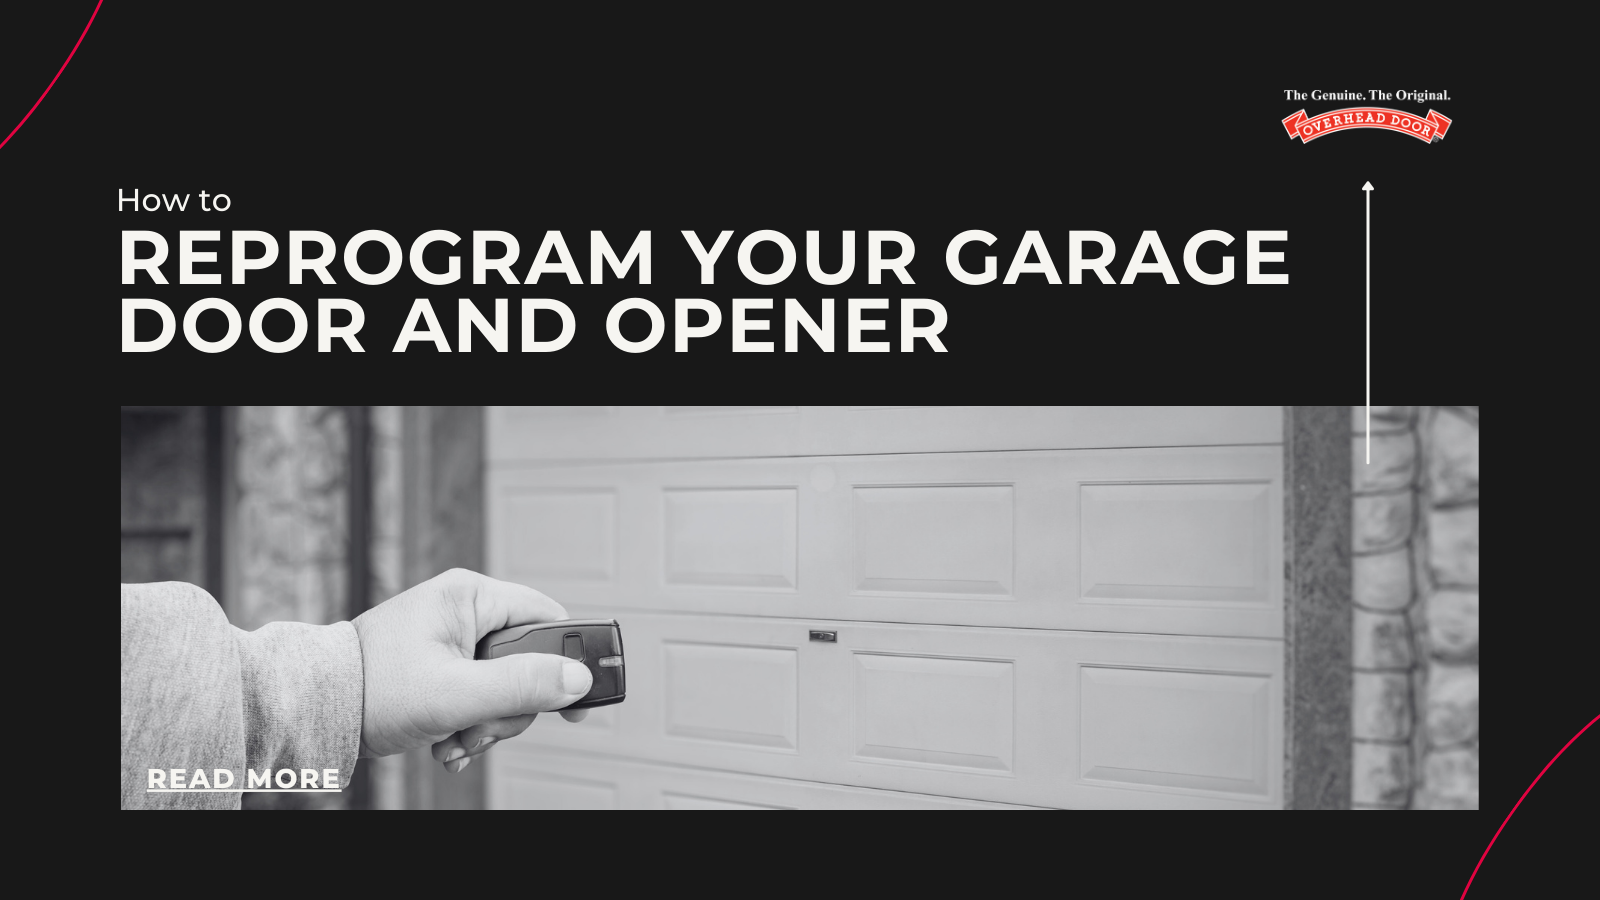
x,y
1367,189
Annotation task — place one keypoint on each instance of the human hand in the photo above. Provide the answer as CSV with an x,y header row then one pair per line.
x,y
424,686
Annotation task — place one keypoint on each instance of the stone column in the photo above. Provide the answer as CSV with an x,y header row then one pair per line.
x,y
1384,593
1415,644
388,772
1448,585
287,506
288,532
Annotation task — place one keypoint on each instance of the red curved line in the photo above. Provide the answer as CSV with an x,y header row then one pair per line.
x,y
1519,803
58,72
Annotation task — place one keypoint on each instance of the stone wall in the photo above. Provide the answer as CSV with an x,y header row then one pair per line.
x,y
286,501
288,507
1415,571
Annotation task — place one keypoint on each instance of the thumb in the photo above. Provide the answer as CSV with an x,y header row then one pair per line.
x,y
478,690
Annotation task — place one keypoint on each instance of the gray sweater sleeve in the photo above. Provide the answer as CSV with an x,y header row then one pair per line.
x,y
199,694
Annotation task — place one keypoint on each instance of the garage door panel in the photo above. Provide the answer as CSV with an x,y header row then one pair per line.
x,y
730,693
1112,720
1202,730
551,790
674,801
934,711
559,780
731,537
1178,541
560,535
530,434
948,540
904,607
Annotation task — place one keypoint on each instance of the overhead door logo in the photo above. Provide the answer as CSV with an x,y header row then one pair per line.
x,y
1427,129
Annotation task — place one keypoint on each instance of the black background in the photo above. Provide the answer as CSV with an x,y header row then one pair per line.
x,y
472,118
524,124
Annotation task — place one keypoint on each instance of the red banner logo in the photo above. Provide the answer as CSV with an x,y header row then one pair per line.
x,y
1427,128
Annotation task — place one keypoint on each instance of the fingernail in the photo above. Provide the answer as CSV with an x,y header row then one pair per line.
x,y
483,742
575,678
464,763
455,754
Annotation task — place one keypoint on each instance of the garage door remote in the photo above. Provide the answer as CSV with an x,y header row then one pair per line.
x,y
597,643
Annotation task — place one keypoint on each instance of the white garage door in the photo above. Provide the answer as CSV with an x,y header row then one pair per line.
x,y
1074,607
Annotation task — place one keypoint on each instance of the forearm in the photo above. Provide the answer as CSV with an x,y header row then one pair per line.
x,y
302,693
199,694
